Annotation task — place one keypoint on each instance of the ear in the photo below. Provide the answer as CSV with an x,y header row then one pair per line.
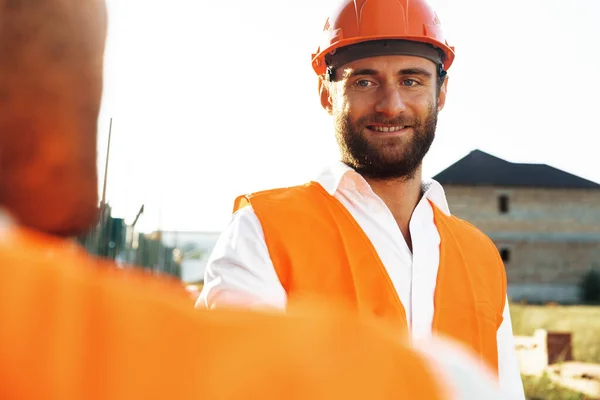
x,y
325,94
442,94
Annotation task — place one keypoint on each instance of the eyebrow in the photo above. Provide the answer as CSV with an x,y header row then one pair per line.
x,y
372,72
415,71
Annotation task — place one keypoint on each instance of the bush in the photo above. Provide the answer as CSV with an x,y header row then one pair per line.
x,y
590,287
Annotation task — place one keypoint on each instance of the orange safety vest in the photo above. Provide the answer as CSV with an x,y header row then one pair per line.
x,y
318,249
74,327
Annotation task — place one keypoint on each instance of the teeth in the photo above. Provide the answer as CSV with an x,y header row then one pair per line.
x,y
387,128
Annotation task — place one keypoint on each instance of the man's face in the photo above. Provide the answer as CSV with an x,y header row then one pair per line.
x,y
385,111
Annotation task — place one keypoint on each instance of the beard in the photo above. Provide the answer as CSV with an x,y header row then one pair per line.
x,y
385,157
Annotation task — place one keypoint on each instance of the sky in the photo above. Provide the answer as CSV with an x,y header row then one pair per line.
x,y
213,99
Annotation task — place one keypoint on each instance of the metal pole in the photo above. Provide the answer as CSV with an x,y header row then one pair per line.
x,y
103,235
106,164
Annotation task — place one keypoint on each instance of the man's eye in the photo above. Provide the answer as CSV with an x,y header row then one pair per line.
x,y
409,82
363,83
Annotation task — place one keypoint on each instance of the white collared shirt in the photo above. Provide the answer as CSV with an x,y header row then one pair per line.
x,y
240,270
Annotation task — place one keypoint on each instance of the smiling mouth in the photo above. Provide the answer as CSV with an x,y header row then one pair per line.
x,y
386,129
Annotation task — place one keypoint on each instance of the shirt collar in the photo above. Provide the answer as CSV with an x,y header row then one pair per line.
x,y
6,221
340,176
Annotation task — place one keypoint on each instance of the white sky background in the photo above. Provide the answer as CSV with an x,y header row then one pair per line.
x,y
211,99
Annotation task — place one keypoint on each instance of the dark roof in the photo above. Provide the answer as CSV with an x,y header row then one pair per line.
x,y
482,169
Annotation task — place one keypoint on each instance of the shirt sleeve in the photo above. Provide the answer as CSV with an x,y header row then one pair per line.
x,y
239,271
459,370
508,366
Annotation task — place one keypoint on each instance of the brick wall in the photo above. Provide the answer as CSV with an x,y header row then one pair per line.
x,y
543,262
550,236
530,210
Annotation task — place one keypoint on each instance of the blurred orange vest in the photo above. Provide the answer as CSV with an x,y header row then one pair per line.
x,y
73,327
319,250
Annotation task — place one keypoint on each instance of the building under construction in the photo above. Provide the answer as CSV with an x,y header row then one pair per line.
x,y
112,238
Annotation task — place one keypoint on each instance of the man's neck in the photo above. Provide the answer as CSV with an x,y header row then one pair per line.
x,y
401,197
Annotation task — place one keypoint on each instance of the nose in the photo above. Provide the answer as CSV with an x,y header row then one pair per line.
x,y
390,102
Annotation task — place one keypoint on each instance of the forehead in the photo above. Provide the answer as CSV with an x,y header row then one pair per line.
x,y
391,64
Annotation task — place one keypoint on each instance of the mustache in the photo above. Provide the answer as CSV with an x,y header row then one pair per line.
x,y
380,119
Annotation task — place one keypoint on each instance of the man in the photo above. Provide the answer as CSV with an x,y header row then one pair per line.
x,y
370,232
75,327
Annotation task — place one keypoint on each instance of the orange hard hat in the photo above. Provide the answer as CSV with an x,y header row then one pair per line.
x,y
359,21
